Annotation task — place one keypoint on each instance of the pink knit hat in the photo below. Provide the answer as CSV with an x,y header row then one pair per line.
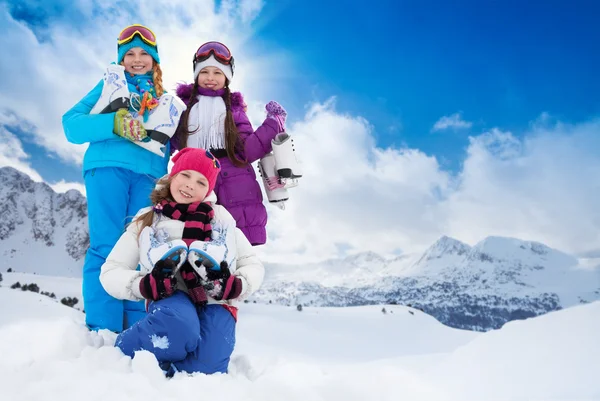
x,y
199,160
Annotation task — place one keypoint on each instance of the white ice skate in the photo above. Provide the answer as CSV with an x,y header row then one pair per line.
x,y
212,253
115,94
275,189
161,123
155,247
206,253
286,163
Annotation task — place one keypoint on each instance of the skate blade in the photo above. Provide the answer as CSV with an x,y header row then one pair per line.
x,y
196,257
152,146
178,255
115,105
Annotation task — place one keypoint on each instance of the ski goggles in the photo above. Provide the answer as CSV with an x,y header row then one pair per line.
x,y
144,33
214,160
218,49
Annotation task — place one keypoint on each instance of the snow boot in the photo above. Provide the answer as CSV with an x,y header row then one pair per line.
x,y
115,94
275,189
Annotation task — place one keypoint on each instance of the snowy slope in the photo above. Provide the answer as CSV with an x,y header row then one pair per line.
x,y
318,354
61,287
555,356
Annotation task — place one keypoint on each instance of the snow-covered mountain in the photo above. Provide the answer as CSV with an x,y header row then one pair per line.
x,y
477,288
480,287
41,231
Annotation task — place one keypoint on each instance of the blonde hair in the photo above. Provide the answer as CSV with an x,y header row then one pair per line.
x,y
162,191
157,78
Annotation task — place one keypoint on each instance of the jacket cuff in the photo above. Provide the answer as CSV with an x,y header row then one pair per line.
x,y
135,287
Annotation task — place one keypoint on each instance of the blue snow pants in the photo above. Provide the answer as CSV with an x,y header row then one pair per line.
x,y
114,196
183,336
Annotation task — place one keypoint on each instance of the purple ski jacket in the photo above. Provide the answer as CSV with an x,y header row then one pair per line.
x,y
237,188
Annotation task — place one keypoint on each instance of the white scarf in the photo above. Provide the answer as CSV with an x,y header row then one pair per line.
x,y
206,123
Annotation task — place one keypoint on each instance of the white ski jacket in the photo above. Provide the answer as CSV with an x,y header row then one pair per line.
x,y
121,278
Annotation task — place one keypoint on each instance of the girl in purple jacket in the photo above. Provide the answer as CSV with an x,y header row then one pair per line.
x,y
216,120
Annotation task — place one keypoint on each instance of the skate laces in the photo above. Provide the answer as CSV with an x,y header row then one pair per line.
x,y
146,99
148,102
274,183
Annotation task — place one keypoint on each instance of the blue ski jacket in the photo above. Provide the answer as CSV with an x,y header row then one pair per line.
x,y
107,149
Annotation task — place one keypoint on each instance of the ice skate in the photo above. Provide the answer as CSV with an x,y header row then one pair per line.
x,y
155,247
206,253
275,189
161,123
115,94
286,163
212,253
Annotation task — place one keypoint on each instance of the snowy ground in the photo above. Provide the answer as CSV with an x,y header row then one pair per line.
x,y
317,354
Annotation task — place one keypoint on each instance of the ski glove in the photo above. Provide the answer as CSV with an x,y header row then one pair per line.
x,y
193,283
159,283
219,283
277,113
128,127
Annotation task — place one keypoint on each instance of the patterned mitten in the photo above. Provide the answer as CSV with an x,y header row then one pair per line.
x,y
128,127
219,283
193,283
159,283
278,113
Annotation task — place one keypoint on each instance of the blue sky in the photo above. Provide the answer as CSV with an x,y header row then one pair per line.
x,y
462,118
404,64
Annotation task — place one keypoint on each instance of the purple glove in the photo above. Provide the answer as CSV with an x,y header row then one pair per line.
x,y
277,113
193,283
159,283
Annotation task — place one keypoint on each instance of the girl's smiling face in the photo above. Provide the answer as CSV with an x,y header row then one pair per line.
x,y
211,78
189,186
137,61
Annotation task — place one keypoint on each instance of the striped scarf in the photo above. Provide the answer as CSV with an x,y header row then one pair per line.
x,y
196,216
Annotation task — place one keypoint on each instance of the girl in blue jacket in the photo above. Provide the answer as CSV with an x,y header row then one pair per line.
x,y
118,174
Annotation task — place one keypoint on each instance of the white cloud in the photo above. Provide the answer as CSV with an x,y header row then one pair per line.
x,y
13,155
543,187
356,196
353,193
49,77
63,186
453,121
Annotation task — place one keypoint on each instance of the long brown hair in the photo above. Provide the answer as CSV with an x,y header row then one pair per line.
x,y
161,192
233,142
